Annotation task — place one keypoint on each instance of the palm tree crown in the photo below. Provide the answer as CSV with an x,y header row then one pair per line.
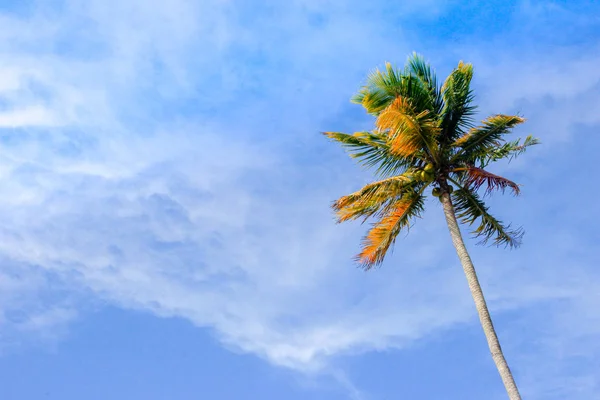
x,y
424,137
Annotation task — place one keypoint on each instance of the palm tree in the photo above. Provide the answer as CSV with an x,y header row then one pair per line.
x,y
424,136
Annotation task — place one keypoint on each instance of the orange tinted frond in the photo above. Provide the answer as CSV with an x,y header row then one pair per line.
x,y
398,116
477,177
372,199
352,212
383,234
408,131
463,139
373,190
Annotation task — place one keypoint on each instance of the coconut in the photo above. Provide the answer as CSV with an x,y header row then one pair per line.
x,y
436,192
429,168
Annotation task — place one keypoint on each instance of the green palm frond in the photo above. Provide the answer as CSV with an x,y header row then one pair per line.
x,y
384,232
421,69
485,139
380,90
508,150
374,100
470,208
383,87
458,102
374,199
372,150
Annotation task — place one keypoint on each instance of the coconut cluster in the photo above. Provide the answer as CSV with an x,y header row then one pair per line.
x,y
426,174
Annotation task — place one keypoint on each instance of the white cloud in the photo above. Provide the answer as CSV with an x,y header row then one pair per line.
x,y
28,117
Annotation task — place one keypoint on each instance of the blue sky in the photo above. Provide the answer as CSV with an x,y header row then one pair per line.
x,y
164,196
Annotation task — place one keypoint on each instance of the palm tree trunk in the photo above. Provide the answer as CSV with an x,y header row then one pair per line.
x,y
480,304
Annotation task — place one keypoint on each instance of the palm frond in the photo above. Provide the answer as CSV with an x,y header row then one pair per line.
x,y
374,100
382,87
372,150
421,69
470,208
384,232
477,177
409,132
509,150
373,199
458,102
485,139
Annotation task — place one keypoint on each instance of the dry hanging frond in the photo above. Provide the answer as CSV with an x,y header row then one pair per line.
x,y
477,177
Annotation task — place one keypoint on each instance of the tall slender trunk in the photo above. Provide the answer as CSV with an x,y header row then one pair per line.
x,y
480,304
